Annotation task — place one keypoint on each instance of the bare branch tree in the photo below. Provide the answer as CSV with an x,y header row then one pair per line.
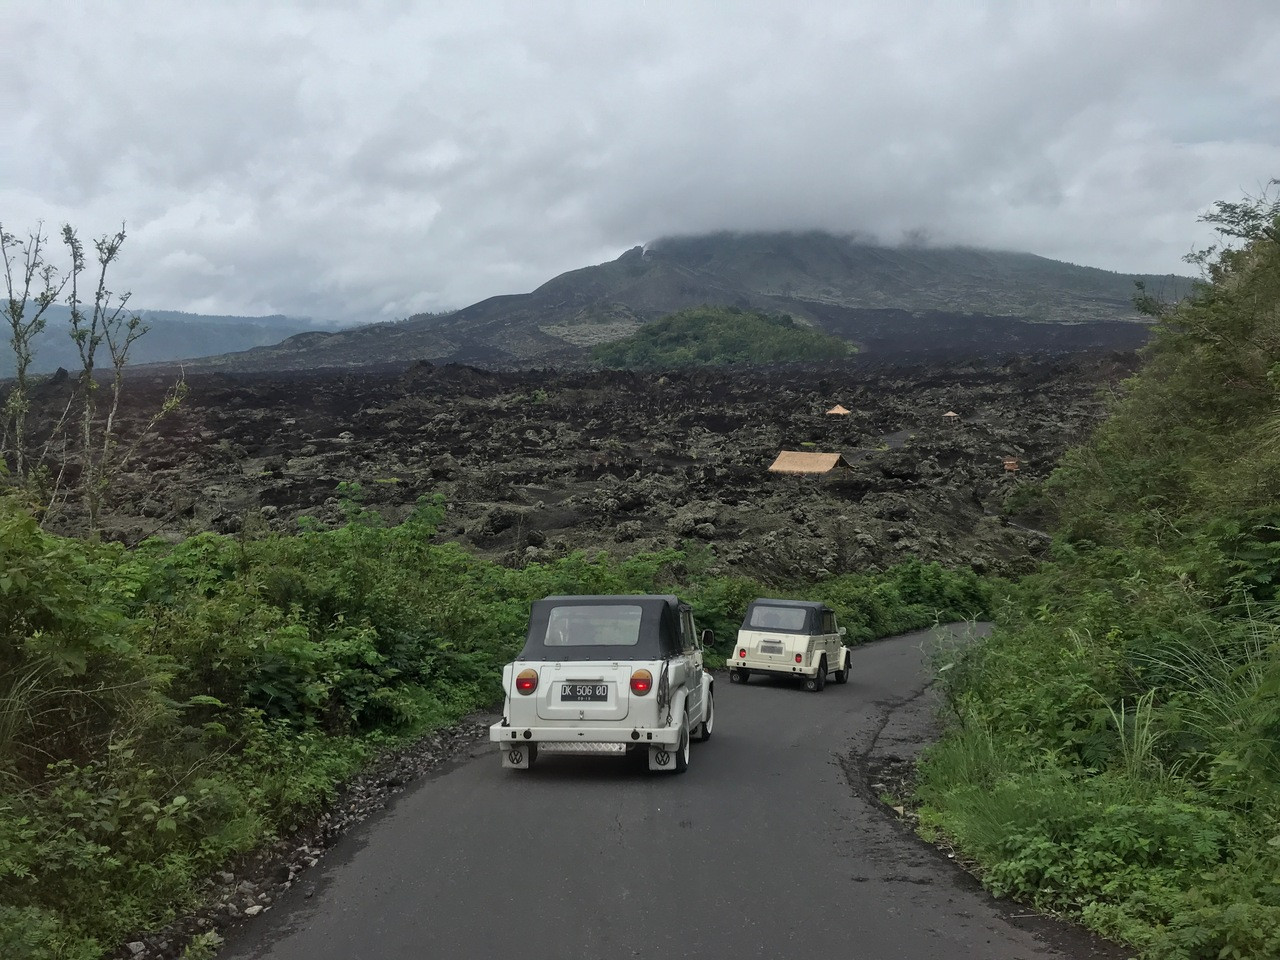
x,y
107,322
32,285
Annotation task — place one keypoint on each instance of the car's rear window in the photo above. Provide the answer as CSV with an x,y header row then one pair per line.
x,y
778,618
611,625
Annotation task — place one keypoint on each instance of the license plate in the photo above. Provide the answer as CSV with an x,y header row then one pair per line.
x,y
770,648
584,692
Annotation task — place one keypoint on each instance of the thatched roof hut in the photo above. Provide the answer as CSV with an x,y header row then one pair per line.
x,y
795,461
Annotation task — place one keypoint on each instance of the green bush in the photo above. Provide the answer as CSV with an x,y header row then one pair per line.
x,y
1113,750
909,596
718,336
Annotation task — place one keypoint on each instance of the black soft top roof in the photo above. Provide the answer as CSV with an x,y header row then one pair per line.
x,y
810,624
659,628
810,604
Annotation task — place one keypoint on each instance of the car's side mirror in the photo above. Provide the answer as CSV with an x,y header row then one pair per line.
x,y
708,638
841,631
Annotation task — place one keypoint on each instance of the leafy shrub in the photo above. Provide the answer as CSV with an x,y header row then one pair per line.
x,y
1113,745
717,336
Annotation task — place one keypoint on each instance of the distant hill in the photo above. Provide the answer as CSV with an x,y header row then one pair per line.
x,y
171,335
886,300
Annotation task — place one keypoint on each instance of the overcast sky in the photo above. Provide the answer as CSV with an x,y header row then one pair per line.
x,y
365,161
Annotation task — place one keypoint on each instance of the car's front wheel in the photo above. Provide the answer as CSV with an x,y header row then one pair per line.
x,y
842,676
704,729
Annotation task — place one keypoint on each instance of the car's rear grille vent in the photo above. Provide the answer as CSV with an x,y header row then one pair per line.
x,y
578,746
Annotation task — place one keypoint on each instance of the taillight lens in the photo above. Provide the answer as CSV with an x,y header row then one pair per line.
x,y
641,682
527,681
799,658
742,653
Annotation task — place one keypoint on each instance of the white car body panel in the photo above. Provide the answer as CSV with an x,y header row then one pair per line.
x,y
770,652
588,706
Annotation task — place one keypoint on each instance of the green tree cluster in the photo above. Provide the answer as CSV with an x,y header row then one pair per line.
x,y
1115,751
720,336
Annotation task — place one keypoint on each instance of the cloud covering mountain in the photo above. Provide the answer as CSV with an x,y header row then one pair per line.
x,y
375,160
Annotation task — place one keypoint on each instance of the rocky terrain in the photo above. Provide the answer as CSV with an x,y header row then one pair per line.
x,y
535,464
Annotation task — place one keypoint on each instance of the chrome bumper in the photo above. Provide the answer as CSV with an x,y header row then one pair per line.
x,y
580,739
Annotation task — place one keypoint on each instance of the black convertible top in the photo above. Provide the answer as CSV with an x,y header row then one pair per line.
x,y
617,627
810,604
796,616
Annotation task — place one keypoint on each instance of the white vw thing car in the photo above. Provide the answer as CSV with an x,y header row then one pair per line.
x,y
793,638
607,675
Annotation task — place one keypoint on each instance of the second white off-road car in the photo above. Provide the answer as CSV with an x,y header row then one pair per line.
x,y
793,638
607,675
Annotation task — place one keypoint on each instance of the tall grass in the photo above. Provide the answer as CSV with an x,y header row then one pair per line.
x,y
1155,814
1139,737
1225,699
22,695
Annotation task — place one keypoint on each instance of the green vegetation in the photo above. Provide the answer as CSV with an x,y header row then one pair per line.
x,y
166,708
1115,753
718,336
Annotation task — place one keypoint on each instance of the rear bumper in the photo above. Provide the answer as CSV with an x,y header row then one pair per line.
x,y
563,737
771,666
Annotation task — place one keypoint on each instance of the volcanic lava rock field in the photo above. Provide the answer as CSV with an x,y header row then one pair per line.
x,y
536,464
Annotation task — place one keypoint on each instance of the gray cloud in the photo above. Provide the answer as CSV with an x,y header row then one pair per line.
x,y
370,161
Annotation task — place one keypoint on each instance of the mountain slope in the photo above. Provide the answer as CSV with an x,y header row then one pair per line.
x,y
171,335
869,294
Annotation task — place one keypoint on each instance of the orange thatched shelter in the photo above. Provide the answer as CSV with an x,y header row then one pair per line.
x,y
837,411
1011,464
951,415
794,461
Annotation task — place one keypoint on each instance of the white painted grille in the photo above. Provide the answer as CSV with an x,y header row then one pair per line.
x,y
580,746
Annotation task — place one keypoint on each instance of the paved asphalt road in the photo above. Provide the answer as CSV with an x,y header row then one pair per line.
x,y
771,846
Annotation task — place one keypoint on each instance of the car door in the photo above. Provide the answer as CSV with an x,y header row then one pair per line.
x,y
691,658
831,641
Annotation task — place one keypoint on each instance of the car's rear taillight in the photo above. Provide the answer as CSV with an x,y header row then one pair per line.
x,y
799,658
742,653
527,681
641,682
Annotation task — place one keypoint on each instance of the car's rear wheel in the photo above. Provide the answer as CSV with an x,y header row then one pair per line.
x,y
704,729
815,683
744,676
682,751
